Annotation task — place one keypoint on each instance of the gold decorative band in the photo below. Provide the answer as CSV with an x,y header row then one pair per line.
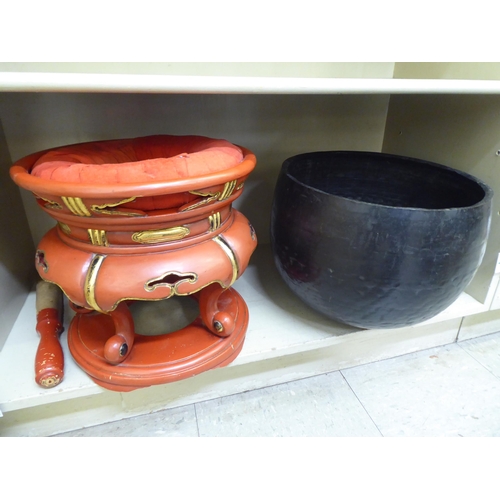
x,y
214,221
232,257
90,281
76,206
98,237
160,235
64,228
51,204
112,237
105,209
228,190
207,198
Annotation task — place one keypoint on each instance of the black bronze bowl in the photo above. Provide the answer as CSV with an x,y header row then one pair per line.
x,y
376,240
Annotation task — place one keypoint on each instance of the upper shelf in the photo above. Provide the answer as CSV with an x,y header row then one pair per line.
x,y
177,84
253,78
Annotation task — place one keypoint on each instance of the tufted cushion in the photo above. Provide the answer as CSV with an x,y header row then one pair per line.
x,y
144,159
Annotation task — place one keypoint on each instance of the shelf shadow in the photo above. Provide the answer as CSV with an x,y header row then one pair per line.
x,y
275,289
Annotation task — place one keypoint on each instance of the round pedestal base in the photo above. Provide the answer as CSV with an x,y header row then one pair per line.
x,y
156,359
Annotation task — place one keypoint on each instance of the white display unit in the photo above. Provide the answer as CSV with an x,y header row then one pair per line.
x,y
448,113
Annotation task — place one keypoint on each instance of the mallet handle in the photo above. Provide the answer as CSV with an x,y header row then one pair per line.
x,y
49,359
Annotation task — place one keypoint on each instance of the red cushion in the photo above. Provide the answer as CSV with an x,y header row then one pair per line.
x,y
144,159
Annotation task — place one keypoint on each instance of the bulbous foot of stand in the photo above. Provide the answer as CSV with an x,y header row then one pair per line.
x,y
107,349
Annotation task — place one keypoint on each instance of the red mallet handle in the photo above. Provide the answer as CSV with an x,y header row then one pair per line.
x,y
49,359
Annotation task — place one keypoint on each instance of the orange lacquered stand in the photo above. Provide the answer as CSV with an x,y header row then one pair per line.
x,y
171,231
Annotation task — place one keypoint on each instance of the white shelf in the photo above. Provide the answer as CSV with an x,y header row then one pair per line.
x,y
178,84
283,332
285,340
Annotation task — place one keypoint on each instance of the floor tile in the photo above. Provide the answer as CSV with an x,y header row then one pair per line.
x,y
485,350
175,422
436,392
317,406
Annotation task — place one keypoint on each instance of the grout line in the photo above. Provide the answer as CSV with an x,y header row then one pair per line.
x,y
477,360
362,405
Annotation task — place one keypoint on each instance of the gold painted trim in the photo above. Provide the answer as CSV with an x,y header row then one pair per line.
x,y
64,228
214,221
207,198
104,208
98,237
230,254
161,235
51,204
76,206
91,280
228,190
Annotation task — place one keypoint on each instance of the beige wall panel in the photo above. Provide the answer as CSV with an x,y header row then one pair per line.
x,y
268,69
462,132
273,126
449,70
17,272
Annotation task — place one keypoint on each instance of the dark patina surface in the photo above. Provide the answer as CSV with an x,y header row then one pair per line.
x,y
376,240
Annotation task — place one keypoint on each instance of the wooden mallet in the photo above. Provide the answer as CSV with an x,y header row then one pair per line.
x,y
49,359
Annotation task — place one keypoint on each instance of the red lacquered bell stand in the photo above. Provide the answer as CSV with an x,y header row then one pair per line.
x,y
158,359
160,232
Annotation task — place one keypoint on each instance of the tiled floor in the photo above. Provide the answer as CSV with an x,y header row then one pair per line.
x,y
452,390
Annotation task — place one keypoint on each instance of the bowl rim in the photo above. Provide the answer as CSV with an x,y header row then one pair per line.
x,y
488,191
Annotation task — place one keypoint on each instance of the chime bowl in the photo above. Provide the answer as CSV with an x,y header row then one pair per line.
x,y
376,240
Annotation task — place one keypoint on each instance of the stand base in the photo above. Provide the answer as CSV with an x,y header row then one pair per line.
x,y
156,359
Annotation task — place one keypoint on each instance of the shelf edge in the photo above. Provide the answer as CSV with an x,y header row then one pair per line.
x,y
127,83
